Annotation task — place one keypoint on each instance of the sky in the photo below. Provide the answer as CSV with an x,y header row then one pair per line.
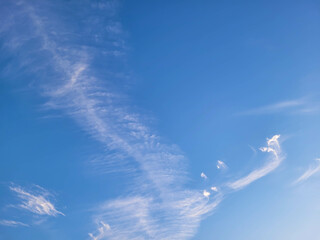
x,y
159,120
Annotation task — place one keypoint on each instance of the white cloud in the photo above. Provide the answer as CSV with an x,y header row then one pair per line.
x,y
310,172
11,223
35,202
274,148
221,165
157,204
161,207
102,231
206,193
215,189
139,217
292,106
203,176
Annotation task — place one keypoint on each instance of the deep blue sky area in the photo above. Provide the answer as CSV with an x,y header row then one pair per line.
x,y
159,120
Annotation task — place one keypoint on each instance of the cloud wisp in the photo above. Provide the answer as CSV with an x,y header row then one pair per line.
x,y
203,175
102,231
36,202
295,106
215,189
12,223
273,147
310,172
221,165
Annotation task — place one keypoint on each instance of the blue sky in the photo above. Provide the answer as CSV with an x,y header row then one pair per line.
x,y
159,120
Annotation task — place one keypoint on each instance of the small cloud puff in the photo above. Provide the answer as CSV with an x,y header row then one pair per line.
x,y
215,189
204,176
206,193
221,165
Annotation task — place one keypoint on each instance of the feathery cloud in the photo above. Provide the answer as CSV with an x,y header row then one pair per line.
x,y
157,206
310,172
274,148
140,217
291,106
101,231
36,202
11,223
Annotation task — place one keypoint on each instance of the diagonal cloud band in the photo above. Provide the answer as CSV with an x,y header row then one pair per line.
x,y
273,147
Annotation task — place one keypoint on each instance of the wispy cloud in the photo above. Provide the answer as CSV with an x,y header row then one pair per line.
x,y
273,147
310,172
253,150
215,189
203,176
221,165
146,218
157,204
11,223
300,105
35,201
102,231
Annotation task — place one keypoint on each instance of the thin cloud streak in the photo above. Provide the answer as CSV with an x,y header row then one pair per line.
x,y
273,147
37,203
11,223
310,172
291,106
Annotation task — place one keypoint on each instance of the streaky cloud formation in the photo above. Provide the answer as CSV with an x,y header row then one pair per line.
x,y
11,223
157,204
143,217
36,202
273,147
310,172
295,106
